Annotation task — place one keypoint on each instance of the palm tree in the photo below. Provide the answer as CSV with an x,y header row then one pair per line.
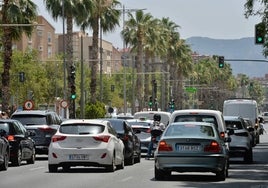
x,y
73,9
134,34
14,12
106,16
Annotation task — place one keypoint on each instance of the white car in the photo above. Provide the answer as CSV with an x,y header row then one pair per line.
x,y
86,142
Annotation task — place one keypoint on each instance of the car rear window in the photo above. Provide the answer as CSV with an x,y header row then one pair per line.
x,y
190,130
81,129
234,125
4,126
31,120
196,118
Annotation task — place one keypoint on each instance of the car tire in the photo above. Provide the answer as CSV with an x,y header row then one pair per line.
x,y
17,160
248,157
32,159
159,174
4,166
122,165
52,168
131,160
112,167
221,175
66,168
138,158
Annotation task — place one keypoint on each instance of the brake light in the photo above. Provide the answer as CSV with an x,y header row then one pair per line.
x,y
57,138
213,147
46,129
222,134
125,138
163,146
102,138
10,138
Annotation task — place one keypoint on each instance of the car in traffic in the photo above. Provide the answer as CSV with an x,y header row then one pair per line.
x,y
149,115
4,150
131,141
253,132
22,146
44,123
241,143
141,128
86,142
265,116
191,147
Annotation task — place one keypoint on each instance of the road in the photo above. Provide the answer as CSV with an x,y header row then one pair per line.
x,y
139,175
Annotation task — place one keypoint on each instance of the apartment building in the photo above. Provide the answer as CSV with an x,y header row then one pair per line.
x,y
42,40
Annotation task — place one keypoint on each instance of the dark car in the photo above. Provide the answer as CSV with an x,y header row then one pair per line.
x,y
44,123
4,150
21,144
130,140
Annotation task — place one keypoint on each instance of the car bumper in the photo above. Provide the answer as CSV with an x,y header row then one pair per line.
x,y
213,163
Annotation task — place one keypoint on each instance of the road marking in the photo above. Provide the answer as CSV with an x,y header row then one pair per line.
x,y
126,179
37,168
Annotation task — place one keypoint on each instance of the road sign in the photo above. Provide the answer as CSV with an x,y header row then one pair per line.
x,y
64,104
191,89
28,105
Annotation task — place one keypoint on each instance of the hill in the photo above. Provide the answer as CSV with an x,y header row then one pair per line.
x,y
244,48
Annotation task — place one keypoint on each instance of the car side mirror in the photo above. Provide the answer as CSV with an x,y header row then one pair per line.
x,y
2,132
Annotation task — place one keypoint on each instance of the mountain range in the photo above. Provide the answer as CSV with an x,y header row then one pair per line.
x,y
233,49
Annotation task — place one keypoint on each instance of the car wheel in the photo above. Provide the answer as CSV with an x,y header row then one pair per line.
x,y
17,160
66,168
52,168
122,165
32,159
221,175
159,174
112,167
248,158
131,160
4,166
138,158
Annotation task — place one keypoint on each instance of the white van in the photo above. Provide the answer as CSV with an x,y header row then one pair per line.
x,y
246,108
148,115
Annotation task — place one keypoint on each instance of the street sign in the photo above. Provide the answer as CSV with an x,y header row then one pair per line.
x,y
28,105
191,89
64,104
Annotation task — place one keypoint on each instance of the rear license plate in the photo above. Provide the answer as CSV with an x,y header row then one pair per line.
x,y
188,148
78,157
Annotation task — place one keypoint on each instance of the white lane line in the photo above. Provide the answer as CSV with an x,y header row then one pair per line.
x,y
126,179
37,168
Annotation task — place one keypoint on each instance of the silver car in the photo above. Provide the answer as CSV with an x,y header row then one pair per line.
x,y
191,147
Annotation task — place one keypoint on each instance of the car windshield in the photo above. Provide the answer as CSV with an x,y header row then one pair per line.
x,y
4,126
189,130
31,120
234,125
81,129
196,118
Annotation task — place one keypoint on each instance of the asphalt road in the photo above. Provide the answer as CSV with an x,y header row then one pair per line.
x,y
139,175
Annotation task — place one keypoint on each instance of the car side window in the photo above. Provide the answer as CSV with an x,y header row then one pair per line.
x,y
111,130
17,129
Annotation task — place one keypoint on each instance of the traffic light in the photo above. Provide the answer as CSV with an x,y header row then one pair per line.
x,y
72,73
21,76
221,61
150,103
259,33
73,93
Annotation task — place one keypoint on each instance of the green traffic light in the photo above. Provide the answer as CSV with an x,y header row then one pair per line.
x,y
260,39
73,96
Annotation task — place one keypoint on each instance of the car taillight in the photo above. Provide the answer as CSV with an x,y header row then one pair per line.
x,y
222,134
46,129
57,138
125,138
10,138
102,138
163,146
148,130
213,147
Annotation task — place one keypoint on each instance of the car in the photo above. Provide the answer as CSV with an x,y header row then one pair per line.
x,y
22,146
149,115
240,145
201,115
4,150
253,132
44,123
265,116
191,147
86,142
141,128
131,141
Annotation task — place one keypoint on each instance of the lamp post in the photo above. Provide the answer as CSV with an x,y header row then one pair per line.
x,y
64,52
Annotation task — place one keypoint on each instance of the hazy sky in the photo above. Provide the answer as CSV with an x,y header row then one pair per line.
x,y
218,19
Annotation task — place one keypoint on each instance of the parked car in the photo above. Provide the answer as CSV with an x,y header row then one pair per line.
x,y
141,128
44,123
22,146
4,150
86,142
131,141
240,145
191,147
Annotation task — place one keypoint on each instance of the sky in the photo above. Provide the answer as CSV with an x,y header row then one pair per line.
x,y
217,19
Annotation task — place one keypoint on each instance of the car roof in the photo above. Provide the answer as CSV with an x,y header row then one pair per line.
x,y
35,112
203,111
89,121
8,120
232,118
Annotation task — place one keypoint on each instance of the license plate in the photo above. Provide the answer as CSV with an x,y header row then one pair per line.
x,y
188,148
78,157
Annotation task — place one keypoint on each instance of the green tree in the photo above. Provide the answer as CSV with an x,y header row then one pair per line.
x,y
13,12
106,16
